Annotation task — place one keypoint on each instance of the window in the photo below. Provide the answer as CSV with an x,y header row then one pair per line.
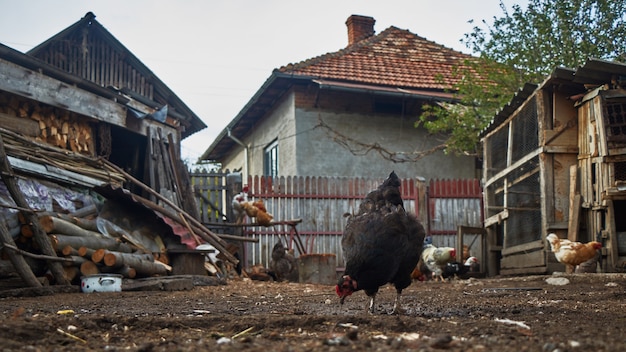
x,y
270,159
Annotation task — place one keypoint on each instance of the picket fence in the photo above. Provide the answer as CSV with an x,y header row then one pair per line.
x,y
321,203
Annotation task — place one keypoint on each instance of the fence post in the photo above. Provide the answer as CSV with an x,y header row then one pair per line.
x,y
233,186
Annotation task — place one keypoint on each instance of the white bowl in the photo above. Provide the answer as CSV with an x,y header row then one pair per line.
x,y
101,283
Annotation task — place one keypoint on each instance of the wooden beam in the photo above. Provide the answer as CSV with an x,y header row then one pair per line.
x,y
496,219
513,167
37,86
575,201
523,248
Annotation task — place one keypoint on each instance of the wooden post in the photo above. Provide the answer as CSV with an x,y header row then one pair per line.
x,y
574,205
40,237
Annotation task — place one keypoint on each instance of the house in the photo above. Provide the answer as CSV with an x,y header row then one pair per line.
x,y
92,138
348,113
555,162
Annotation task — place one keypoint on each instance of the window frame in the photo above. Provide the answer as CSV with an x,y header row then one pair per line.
x,y
270,159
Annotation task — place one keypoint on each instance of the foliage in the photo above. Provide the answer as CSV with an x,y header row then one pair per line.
x,y
524,46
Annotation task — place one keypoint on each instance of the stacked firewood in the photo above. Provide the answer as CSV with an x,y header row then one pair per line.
x,y
79,239
57,127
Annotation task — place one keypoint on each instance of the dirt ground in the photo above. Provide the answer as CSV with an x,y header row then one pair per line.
x,y
500,314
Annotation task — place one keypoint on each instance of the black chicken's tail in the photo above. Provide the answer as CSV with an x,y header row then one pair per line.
x,y
390,190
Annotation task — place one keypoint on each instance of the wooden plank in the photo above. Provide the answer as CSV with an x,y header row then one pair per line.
x,y
188,264
526,247
612,250
524,271
513,167
21,125
18,80
596,112
496,219
574,205
524,260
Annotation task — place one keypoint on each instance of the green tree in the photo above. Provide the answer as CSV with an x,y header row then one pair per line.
x,y
524,46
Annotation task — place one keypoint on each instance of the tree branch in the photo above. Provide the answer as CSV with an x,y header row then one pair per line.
x,y
361,148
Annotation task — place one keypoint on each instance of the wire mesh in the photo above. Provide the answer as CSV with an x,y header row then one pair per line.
x,y
496,149
525,131
524,205
494,198
615,124
619,170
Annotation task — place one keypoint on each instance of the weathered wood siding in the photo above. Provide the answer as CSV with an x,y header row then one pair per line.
x,y
90,56
210,192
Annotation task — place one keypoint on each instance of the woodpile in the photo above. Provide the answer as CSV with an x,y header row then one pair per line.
x,y
89,252
58,145
57,127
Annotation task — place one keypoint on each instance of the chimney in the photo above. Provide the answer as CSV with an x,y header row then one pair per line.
x,y
359,28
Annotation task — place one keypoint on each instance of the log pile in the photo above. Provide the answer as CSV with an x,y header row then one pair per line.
x,y
71,245
88,252
57,127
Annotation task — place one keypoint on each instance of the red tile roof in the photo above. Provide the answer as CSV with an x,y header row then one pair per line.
x,y
395,57
395,60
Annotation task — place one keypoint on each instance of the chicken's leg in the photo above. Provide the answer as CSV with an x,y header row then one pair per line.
x,y
396,304
372,306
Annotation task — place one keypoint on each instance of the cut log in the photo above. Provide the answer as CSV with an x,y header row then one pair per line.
x,y
98,255
59,241
85,212
17,261
71,272
52,224
69,250
26,231
161,257
87,224
85,252
140,262
117,259
89,268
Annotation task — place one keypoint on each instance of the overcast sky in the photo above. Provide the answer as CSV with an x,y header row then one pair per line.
x,y
216,54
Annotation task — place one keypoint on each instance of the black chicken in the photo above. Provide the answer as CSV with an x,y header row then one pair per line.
x,y
283,266
381,244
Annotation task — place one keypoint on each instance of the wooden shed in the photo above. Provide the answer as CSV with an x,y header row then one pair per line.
x,y
106,103
555,161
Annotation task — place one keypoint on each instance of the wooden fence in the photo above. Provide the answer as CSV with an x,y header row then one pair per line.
x,y
322,202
